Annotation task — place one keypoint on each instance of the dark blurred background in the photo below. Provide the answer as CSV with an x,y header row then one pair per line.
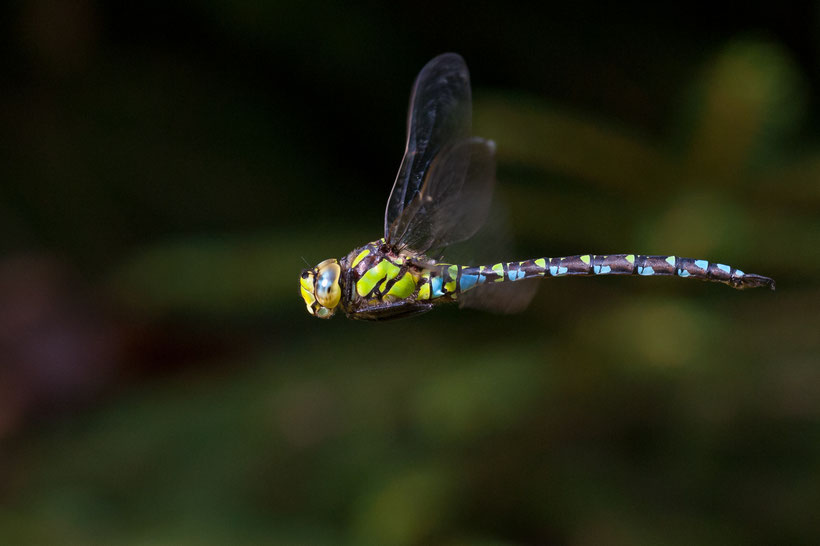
x,y
166,168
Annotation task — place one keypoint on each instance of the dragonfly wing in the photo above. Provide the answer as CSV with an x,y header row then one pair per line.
x,y
439,117
454,199
503,297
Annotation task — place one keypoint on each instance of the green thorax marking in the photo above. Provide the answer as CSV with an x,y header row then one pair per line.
x,y
381,272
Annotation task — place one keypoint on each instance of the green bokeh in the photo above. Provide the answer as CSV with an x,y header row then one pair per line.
x,y
167,171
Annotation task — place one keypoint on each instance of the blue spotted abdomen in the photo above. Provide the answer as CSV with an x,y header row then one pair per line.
x,y
447,281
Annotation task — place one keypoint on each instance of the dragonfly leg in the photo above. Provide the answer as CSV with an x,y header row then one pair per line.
x,y
390,311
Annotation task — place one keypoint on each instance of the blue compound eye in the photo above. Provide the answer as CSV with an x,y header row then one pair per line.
x,y
328,291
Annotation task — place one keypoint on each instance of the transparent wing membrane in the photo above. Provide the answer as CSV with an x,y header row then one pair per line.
x,y
504,297
438,120
453,202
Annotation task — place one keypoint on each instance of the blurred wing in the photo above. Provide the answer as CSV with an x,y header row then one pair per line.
x,y
439,117
453,201
503,297
494,242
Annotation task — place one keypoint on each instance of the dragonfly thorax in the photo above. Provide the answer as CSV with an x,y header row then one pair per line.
x,y
320,288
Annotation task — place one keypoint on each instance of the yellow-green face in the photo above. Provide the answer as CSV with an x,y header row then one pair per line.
x,y
320,288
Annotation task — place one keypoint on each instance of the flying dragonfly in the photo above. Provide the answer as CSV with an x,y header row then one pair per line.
x,y
441,196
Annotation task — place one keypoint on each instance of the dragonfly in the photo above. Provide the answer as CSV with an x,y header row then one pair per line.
x,y
441,196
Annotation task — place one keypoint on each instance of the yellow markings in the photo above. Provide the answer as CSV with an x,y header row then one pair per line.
x,y
670,260
391,270
371,277
585,259
308,296
383,271
540,262
404,287
452,274
499,270
364,285
306,288
424,288
360,257
630,258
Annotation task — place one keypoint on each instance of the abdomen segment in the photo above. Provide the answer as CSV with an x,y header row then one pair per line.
x,y
449,280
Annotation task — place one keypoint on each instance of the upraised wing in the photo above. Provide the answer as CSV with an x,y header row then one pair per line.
x,y
445,180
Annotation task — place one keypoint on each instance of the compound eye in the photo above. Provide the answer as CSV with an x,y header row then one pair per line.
x,y
328,291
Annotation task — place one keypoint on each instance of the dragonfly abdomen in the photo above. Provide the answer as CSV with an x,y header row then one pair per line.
x,y
636,264
447,280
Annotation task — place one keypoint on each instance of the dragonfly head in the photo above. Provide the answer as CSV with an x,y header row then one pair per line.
x,y
320,288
